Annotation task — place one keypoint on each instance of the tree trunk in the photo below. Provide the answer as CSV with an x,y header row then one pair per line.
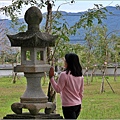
x,y
115,73
102,84
103,79
93,71
51,93
86,72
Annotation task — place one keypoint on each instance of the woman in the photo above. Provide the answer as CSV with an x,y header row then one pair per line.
x,y
70,86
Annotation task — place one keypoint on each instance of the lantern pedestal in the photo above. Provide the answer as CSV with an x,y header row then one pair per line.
x,y
33,98
34,92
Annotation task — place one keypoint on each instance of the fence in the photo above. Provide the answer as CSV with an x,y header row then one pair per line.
x,y
7,70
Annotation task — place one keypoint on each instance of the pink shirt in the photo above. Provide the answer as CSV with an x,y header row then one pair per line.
x,y
70,88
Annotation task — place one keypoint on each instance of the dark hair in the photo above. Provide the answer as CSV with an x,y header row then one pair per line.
x,y
73,64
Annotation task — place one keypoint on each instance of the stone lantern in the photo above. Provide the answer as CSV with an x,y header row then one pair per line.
x,y
33,45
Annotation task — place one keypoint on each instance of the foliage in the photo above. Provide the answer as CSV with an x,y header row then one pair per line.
x,y
61,29
87,19
101,45
7,54
99,48
3,40
16,7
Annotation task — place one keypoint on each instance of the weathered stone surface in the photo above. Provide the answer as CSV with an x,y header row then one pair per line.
x,y
29,116
33,16
34,92
32,68
33,37
17,108
33,45
33,108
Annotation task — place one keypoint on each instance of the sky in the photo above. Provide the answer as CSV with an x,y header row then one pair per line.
x,y
78,6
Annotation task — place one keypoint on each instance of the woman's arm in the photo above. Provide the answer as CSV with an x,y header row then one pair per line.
x,y
58,86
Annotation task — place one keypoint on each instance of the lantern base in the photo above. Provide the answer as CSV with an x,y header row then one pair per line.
x,y
33,108
28,116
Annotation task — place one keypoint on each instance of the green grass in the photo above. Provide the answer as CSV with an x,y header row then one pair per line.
x,y
10,93
95,105
101,106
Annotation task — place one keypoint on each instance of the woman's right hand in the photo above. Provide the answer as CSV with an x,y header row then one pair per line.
x,y
51,72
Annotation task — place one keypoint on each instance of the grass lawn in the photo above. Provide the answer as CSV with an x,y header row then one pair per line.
x,y
95,105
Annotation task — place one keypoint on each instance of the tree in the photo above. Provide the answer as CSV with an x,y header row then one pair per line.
x,y
89,52
115,56
100,45
3,41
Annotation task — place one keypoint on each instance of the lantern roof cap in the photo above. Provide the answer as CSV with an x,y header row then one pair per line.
x,y
33,37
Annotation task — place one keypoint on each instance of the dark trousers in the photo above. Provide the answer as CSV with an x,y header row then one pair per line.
x,y
71,112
